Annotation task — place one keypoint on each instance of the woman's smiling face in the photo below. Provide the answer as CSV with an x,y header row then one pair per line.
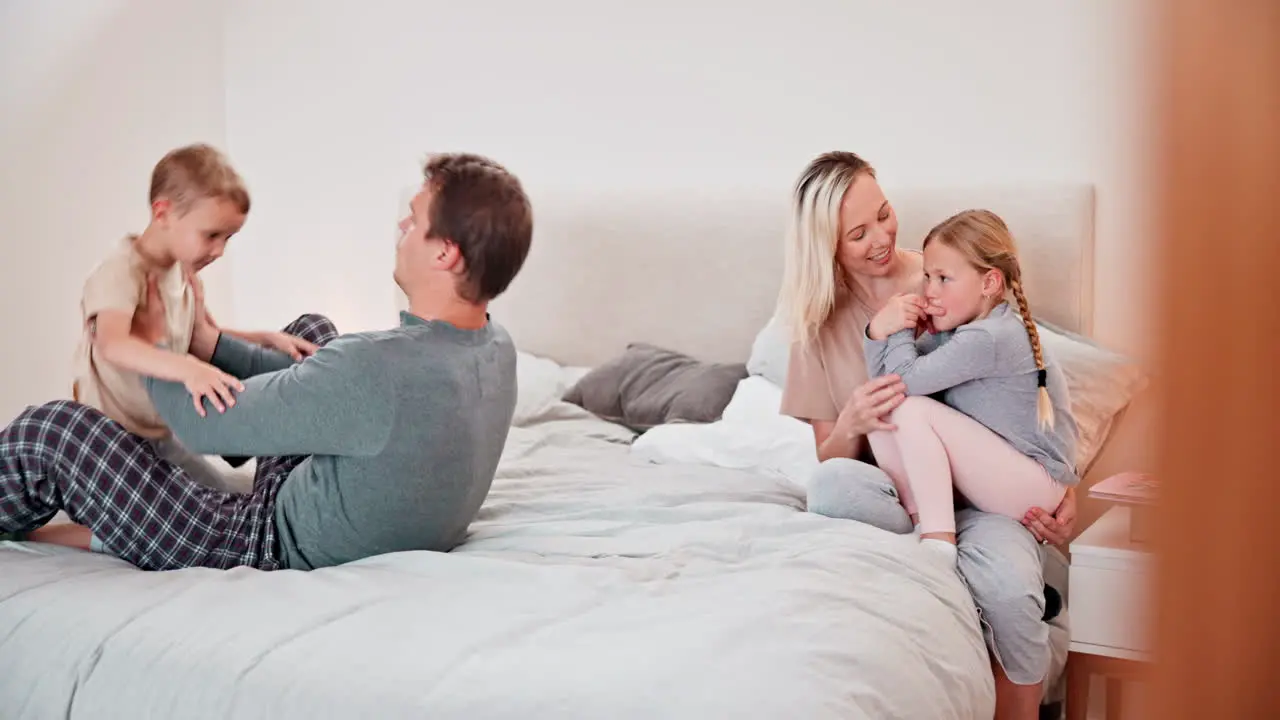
x,y
868,230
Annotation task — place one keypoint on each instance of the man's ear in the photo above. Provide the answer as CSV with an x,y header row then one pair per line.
x,y
448,256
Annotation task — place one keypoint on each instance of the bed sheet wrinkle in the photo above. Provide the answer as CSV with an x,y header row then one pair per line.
x,y
282,643
86,669
523,633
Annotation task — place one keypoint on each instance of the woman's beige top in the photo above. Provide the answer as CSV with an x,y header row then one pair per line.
x,y
823,375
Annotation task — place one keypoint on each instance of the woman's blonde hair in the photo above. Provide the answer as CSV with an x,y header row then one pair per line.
x,y
810,278
985,241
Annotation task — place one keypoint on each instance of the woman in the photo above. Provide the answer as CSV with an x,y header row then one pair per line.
x,y
842,265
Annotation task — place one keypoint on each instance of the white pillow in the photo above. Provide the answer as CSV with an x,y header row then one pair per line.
x,y
1102,383
540,383
751,435
770,353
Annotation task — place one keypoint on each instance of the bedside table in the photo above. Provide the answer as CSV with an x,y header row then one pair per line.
x,y
1108,601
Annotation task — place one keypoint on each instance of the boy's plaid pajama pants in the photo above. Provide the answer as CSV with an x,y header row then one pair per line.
x,y
63,455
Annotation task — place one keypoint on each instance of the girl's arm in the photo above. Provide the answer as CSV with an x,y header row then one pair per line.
x,y
969,354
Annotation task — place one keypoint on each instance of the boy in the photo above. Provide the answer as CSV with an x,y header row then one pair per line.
x,y
197,203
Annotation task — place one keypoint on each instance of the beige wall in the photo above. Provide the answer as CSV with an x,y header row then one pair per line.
x,y
326,108
92,93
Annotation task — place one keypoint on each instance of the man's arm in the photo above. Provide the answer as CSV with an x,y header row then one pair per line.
x,y
967,355
338,402
244,360
233,352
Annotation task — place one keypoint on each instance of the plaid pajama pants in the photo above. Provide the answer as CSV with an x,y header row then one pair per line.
x,y
144,509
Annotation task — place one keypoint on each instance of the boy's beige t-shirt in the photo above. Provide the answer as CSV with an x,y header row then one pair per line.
x,y
120,283
822,375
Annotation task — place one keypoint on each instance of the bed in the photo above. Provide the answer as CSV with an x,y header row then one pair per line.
x,y
610,573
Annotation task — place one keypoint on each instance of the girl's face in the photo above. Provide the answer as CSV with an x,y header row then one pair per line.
x,y
867,242
952,283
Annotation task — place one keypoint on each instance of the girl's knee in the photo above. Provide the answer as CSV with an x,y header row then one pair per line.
x,y
915,408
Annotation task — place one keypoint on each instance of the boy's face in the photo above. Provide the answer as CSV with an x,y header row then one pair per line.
x,y
199,236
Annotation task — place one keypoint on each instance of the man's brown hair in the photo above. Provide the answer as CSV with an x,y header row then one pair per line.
x,y
194,172
481,208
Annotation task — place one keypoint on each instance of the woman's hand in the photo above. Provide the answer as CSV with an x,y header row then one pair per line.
x,y
869,404
1055,529
901,312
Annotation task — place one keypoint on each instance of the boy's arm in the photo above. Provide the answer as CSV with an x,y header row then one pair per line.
x,y
111,298
114,343
965,356
338,402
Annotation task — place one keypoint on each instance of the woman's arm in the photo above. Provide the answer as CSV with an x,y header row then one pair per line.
x,y
863,413
832,444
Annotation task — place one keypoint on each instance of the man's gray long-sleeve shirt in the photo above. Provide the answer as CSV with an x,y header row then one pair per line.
x,y
404,429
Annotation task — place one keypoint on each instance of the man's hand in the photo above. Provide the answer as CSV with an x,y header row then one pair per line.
x,y
1053,529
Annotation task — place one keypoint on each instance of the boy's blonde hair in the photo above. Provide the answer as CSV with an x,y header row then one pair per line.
x,y
810,278
985,241
194,172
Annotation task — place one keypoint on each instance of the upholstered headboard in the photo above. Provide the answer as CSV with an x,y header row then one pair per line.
x,y
699,272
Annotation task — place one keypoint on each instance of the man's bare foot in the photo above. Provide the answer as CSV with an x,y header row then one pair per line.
x,y
64,534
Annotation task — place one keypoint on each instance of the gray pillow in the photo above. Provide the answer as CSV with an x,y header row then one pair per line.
x,y
648,386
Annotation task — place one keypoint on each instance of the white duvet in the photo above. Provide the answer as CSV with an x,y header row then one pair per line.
x,y
593,586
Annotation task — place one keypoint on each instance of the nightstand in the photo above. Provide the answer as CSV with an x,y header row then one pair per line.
x,y
1108,601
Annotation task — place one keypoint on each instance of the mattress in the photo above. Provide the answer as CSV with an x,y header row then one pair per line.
x,y
593,584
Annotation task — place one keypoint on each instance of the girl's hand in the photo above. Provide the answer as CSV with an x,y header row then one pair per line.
x,y
869,404
901,312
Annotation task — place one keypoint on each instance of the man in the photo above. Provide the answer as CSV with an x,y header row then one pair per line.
x,y
379,442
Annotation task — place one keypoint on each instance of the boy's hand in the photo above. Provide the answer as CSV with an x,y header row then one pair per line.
x,y
204,380
291,345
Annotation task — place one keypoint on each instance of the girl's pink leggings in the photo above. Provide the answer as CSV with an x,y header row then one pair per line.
x,y
936,448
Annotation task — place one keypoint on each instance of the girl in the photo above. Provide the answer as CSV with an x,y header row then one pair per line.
x,y
986,412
